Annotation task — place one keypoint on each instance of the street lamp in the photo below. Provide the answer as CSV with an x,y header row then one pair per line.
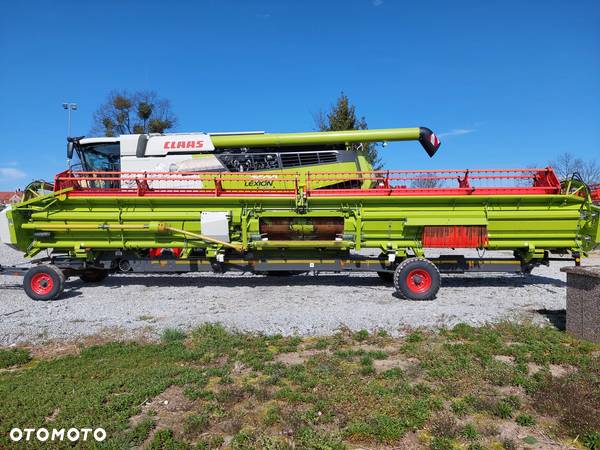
x,y
69,107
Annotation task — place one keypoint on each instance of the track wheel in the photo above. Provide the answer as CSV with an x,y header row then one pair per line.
x,y
44,282
386,277
417,279
93,275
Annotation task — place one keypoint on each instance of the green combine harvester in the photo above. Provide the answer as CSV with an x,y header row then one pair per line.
x,y
287,204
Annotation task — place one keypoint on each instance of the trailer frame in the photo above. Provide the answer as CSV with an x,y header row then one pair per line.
x,y
128,263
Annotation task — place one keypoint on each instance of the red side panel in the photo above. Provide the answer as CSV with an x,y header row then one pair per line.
x,y
595,192
459,236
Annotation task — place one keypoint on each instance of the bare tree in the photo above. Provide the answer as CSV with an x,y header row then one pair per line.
x,y
426,182
132,113
566,164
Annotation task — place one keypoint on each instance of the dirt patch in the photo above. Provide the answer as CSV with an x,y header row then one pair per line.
x,y
390,349
293,358
405,364
533,368
168,410
52,417
513,432
58,348
559,371
505,359
505,391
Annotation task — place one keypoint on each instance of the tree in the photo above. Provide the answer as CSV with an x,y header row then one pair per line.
x,y
566,164
426,182
133,113
342,116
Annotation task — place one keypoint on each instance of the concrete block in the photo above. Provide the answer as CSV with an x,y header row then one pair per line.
x,y
583,302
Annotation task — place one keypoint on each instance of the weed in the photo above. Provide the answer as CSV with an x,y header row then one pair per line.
x,y
172,335
140,432
591,440
573,400
210,442
444,425
441,443
513,401
311,439
509,444
525,420
459,407
379,427
164,439
415,336
377,354
146,317
272,415
394,372
476,446
366,361
321,344
195,424
13,357
503,409
530,440
469,432
361,335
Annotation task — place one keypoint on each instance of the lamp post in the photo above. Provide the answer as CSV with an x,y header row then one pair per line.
x,y
69,107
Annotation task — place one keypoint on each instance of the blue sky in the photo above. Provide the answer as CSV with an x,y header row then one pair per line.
x,y
505,83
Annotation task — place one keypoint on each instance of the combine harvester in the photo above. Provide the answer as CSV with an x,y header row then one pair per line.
x,y
285,204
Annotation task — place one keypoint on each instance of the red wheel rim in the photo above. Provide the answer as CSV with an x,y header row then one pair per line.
x,y
42,283
418,281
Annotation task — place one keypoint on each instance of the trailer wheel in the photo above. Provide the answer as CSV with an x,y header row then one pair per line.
x,y
93,275
386,277
44,282
417,279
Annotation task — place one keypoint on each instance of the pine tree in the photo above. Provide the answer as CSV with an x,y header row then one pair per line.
x,y
342,116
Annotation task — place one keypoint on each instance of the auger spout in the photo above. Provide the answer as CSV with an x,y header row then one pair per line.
x,y
425,136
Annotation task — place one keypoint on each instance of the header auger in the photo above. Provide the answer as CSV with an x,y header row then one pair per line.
x,y
319,206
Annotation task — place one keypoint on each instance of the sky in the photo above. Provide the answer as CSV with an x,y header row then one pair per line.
x,y
504,83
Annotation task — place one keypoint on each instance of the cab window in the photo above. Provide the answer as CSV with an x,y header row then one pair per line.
x,y
102,157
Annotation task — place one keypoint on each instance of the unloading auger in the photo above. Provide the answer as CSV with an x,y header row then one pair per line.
x,y
287,203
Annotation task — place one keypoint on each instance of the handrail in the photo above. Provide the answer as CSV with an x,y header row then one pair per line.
x,y
381,182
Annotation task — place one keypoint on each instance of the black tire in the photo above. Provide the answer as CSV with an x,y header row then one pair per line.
x,y
93,275
44,282
386,277
417,279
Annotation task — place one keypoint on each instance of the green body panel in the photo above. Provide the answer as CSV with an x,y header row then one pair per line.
x,y
528,224
286,178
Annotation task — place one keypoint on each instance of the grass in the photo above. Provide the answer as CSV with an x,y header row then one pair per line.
x,y
455,388
13,357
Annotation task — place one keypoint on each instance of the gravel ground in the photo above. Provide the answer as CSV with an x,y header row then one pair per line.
x,y
142,305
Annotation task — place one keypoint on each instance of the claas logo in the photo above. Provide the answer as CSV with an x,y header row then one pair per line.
x,y
169,145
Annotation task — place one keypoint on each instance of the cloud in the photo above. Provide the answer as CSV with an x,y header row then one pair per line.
x,y
457,132
263,16
377,3
10,174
